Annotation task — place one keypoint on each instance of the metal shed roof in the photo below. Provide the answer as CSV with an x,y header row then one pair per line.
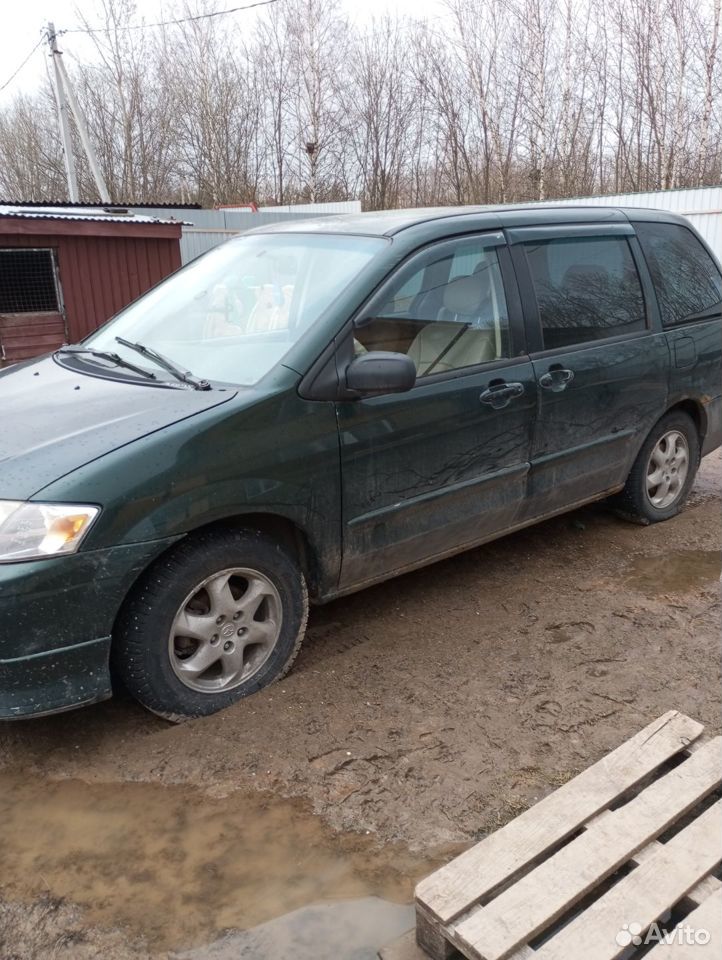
x,y
115,205
86,214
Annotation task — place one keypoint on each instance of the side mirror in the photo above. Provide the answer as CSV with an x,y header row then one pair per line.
x,y
380,372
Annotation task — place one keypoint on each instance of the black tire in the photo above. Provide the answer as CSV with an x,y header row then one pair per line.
x,y
634,503
141,656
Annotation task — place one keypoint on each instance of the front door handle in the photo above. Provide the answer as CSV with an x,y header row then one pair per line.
x,y
499,393
556,379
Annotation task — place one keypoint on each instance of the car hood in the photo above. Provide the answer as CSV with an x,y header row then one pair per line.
x,y
54,420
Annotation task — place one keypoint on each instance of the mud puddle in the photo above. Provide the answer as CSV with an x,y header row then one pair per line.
x,y
679,572
178,868
349,930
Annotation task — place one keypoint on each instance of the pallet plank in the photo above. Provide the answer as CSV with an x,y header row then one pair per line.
x,y
708,887
708,916
452,889
644,895
698,894
432,939
532,904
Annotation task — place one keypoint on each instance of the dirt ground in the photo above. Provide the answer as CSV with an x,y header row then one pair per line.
x,y
421,714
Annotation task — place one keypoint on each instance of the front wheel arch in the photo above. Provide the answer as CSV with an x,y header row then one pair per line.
x,y
279,528
138,659
287,533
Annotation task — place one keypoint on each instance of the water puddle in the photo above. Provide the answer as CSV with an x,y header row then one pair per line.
x,y
680,572
179,868
350,930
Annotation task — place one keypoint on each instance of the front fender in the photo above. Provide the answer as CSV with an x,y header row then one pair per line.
x,y
277,457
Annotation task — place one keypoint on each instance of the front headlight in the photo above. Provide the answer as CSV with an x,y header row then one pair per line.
x,y
32,531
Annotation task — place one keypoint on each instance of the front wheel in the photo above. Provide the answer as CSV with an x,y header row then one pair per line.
x,y
215,619
663,472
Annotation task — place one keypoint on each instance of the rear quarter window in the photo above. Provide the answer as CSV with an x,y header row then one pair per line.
x,y
686,278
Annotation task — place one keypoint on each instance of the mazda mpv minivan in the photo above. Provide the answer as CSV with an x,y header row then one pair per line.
x,y
314,407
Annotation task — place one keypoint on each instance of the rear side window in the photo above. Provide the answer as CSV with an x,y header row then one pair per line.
x,y
685,277
587,289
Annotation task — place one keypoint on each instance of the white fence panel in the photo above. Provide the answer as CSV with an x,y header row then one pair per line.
x,y
702,207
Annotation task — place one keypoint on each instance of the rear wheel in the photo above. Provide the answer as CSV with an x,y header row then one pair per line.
x,y
217,618
663,472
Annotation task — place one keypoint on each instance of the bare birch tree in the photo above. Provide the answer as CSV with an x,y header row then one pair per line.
x,y
493,100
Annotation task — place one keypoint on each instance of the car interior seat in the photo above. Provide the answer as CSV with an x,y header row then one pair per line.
x,y
447,345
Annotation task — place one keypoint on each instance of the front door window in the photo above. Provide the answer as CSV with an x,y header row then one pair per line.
x,y
447,312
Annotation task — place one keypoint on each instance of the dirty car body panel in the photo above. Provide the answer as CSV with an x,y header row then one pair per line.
x,y
492,436
598,395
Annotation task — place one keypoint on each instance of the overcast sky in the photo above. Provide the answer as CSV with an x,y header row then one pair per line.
x,y
22,22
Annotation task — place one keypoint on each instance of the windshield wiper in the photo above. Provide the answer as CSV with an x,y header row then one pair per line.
x,y
185,376
108,355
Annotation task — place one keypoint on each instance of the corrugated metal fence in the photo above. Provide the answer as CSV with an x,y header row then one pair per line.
x,y
702,207
208,228
316,209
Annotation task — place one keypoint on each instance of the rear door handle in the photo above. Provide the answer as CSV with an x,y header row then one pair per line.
x,y
499,393
556,379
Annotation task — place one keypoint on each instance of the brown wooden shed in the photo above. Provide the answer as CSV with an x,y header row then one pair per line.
x,y
65,271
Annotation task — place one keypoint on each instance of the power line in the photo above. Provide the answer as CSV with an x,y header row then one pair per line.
x,y
12,76
168,23
139,26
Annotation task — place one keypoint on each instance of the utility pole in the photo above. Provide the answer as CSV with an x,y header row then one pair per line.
x,y
63,116
84,137
67,101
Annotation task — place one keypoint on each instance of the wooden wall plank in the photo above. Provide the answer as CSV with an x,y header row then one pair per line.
x,y
102,267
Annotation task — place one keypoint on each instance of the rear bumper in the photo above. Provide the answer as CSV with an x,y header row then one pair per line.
x,y
56,620
713,434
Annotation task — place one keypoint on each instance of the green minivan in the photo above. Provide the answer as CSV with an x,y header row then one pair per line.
x,y
316,406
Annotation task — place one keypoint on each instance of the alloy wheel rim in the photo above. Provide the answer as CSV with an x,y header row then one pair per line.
x,y
225,630
667,469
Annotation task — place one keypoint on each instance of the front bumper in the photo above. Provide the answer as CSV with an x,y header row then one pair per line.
x,y
56,619
57,680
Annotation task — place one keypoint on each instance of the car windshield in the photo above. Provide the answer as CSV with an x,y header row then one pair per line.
x,y
233,314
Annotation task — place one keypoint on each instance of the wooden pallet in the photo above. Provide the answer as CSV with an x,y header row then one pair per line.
x,y
560,881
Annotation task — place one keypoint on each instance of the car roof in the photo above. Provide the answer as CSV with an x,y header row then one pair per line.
x,y
386,223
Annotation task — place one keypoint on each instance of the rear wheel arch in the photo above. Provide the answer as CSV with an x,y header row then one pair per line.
x,y
692,407
695,410
634,501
